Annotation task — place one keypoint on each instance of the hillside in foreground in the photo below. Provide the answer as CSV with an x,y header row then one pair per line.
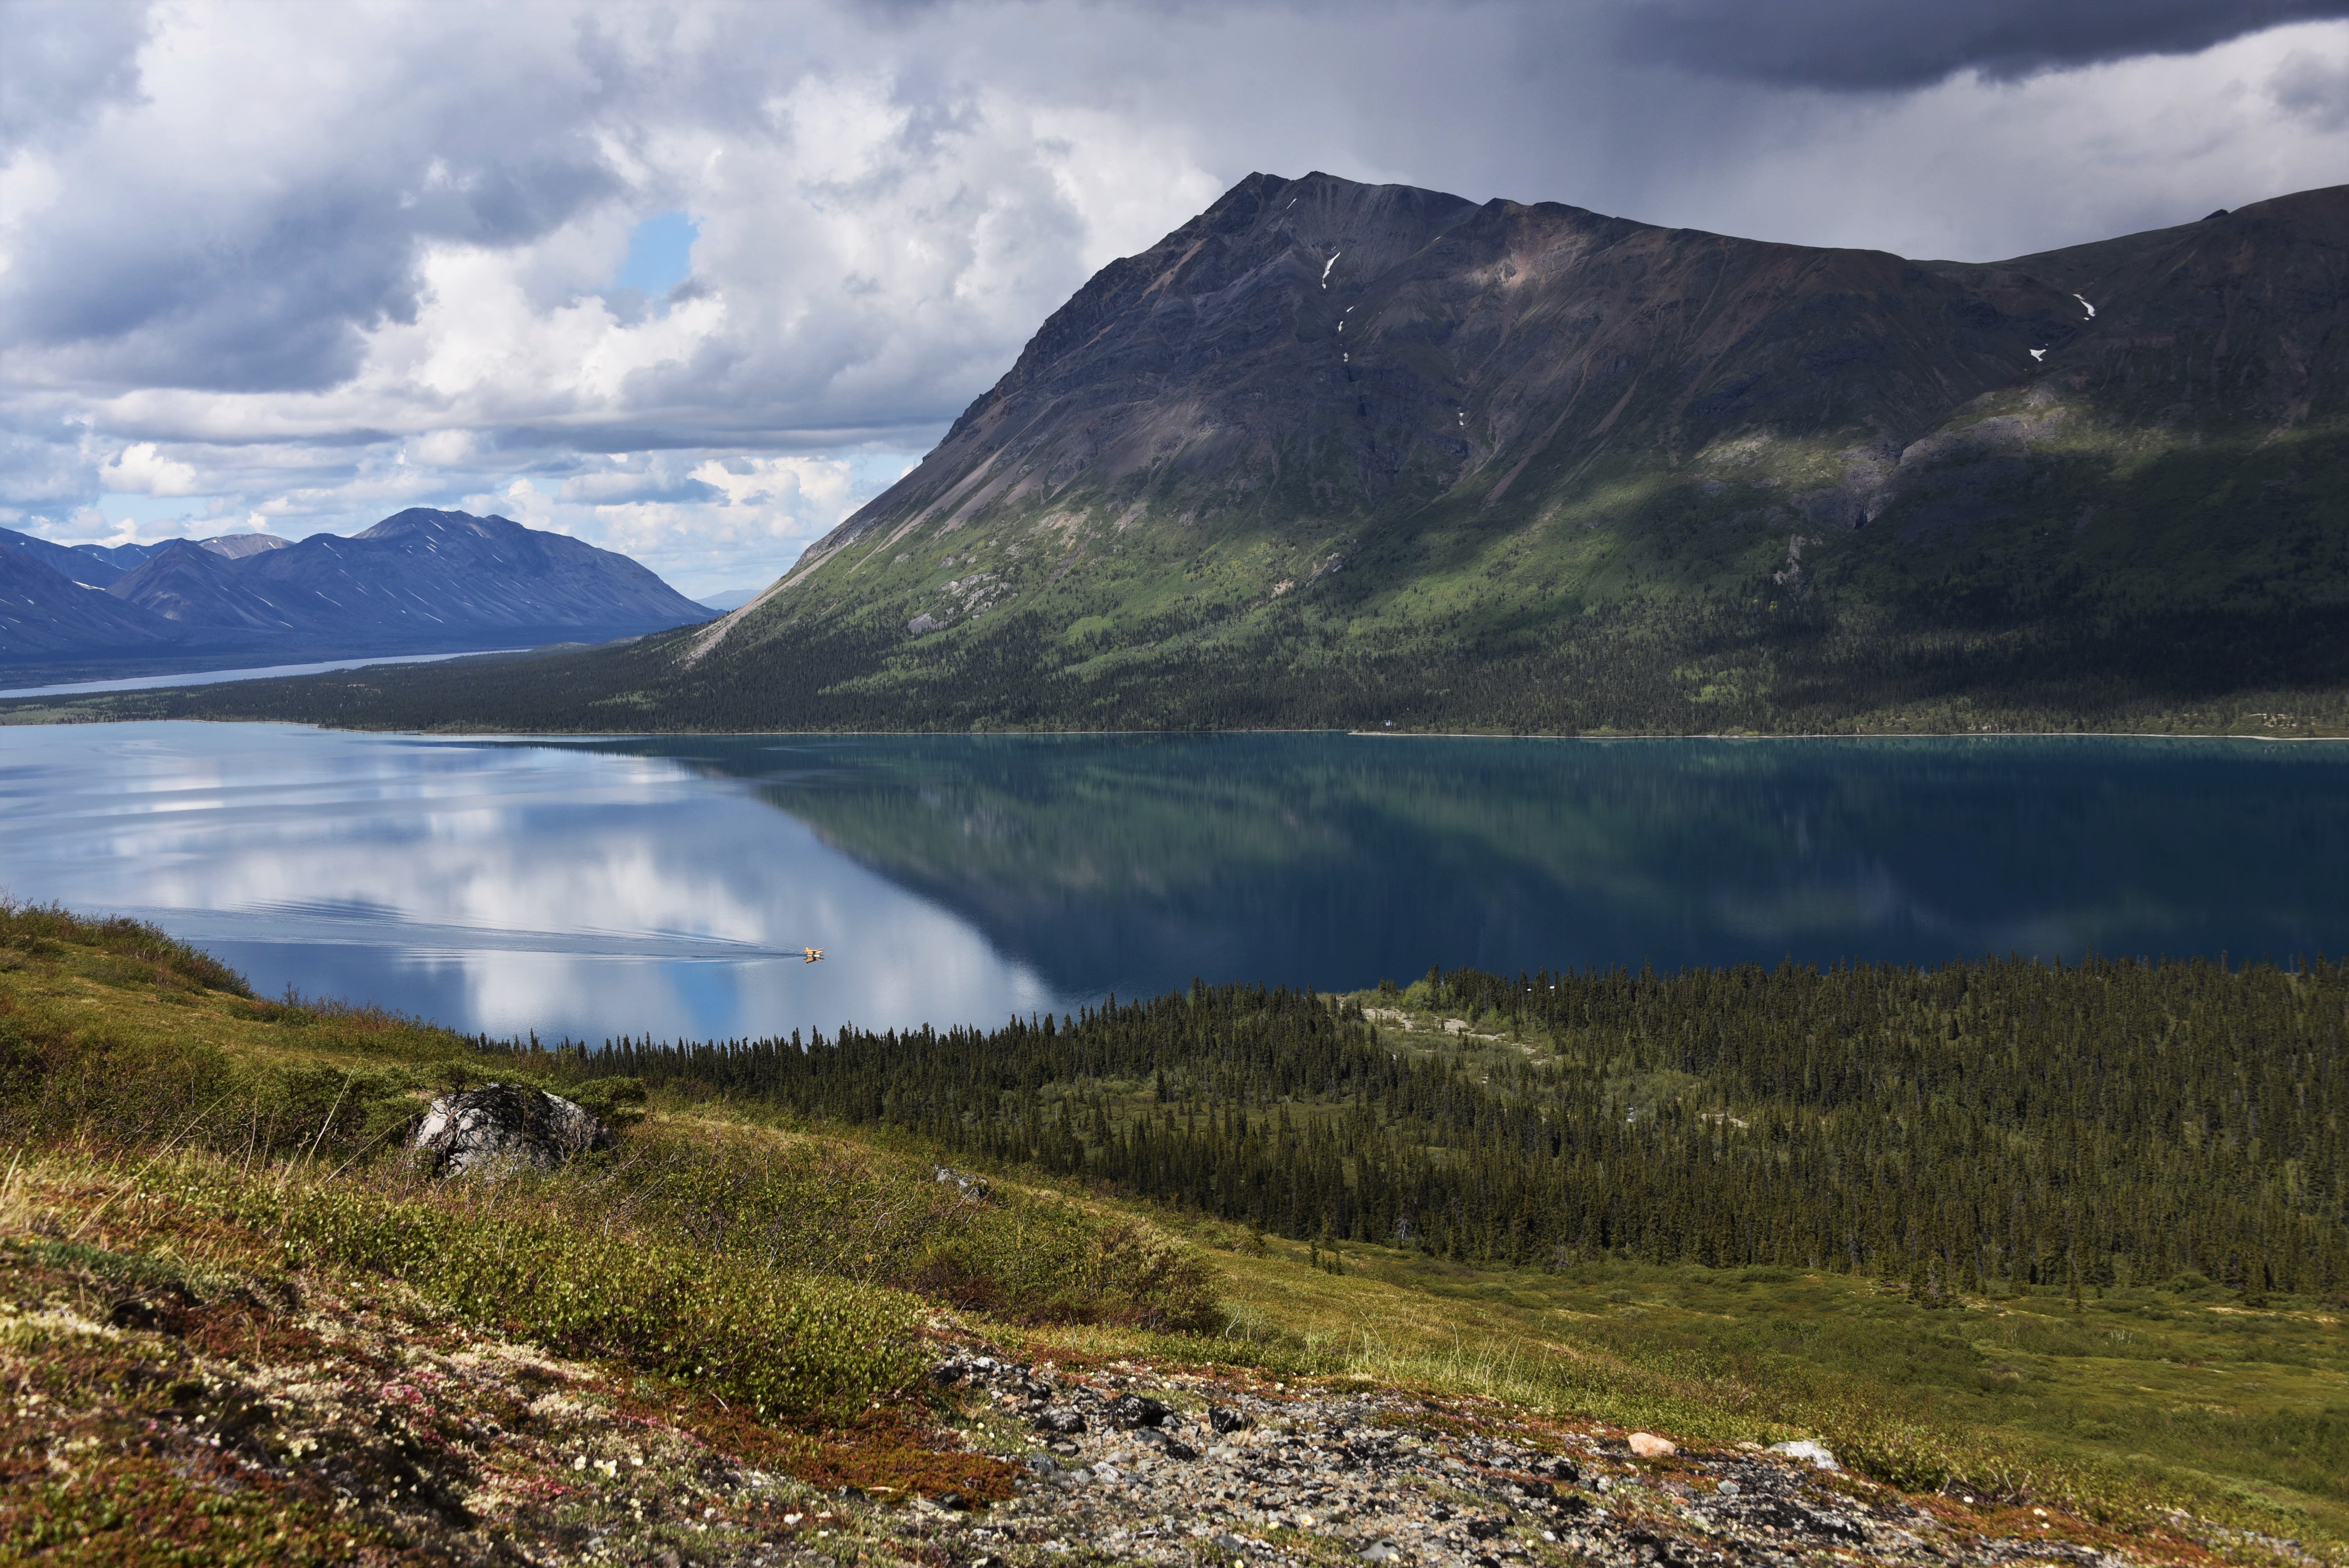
x,y
1334,455
241,1327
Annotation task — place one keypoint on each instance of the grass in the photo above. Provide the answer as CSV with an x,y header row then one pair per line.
x,y
200,1212
2148,1399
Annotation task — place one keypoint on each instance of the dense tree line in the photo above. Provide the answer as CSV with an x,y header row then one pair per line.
x,y
2054,1126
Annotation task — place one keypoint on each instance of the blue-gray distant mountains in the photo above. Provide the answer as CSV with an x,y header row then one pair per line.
x,y
420,582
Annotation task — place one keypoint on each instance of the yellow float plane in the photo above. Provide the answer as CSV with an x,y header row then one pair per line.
x,y
814,954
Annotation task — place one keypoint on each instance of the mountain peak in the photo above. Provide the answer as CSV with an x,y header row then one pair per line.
x,y
420,580
425,519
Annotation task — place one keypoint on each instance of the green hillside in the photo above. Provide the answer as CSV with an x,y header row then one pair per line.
x,y
2097,1308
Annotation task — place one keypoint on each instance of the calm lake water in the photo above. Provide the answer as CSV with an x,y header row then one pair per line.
x,y
666,885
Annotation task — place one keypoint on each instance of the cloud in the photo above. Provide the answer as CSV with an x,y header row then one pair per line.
x,y
68,61
142,469
325,263
41,472
2312,85
1870,44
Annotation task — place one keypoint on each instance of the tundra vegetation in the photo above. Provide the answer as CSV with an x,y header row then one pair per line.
x,y
2062,1237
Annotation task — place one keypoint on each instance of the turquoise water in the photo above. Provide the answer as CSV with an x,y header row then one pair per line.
x,y
667,885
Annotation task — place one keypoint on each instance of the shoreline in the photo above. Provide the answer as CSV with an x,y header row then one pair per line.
x,y
1196,734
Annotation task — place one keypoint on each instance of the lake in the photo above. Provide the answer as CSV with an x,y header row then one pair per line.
x,y
666,885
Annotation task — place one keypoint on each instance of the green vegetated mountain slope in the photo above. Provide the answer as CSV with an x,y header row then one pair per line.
x,y
2047,1255
1341,445
1341,454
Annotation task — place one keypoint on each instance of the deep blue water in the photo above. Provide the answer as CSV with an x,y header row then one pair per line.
x,y
667,885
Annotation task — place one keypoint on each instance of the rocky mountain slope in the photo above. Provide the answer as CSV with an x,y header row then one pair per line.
x,y
1329,421
418,582
47,614
1334,454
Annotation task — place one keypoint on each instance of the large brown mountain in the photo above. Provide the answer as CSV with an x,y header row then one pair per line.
x,y
1329,348
1334,453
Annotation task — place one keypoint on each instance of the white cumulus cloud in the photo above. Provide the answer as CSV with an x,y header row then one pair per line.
x,y
318,263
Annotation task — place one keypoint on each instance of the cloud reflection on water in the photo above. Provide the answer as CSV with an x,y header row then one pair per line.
x,y
495,887
666,885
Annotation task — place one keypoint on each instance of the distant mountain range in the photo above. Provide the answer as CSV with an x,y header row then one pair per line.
x,y
420,582
1336,454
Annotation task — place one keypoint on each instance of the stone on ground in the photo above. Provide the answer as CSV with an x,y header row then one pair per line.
x,y
504,1126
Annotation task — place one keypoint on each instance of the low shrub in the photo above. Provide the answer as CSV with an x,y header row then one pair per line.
x,y
793,1347
883,1219
38,928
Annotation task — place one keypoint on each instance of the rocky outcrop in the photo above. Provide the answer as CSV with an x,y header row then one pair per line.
x,y
502,1126
1241,1469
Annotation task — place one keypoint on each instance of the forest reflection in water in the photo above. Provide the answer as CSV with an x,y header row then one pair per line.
x,y
665,884
1138,861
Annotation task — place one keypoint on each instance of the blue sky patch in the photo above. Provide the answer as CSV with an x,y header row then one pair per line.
x,y
660,254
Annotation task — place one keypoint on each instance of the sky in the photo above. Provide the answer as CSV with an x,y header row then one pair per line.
x,y
693,282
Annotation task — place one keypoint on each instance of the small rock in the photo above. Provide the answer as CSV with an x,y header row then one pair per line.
x,y
1381,1552
1062,1418
164,1310
504,1126
1173,1447
1128,1411
1816,1454
974,1188
1730,1489
1229,1543
1649,1446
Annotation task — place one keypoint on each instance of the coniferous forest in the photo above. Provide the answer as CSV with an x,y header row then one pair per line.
x,y
1999,1124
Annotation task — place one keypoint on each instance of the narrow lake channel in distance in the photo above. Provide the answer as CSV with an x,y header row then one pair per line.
x,y
667,885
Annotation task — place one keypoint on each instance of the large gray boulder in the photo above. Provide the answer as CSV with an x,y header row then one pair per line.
x,y
502,1126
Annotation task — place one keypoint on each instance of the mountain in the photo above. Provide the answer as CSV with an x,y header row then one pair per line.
x,y
237,546
45,615
98,565
418,582
1326,424
1355,455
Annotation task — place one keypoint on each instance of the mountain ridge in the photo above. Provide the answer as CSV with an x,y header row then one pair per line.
x,y
419,580
1343,455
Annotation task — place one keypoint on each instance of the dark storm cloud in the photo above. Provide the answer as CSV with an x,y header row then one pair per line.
x,y
1862,45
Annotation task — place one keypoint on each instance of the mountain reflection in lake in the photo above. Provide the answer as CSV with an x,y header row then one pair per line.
x,y
665,884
